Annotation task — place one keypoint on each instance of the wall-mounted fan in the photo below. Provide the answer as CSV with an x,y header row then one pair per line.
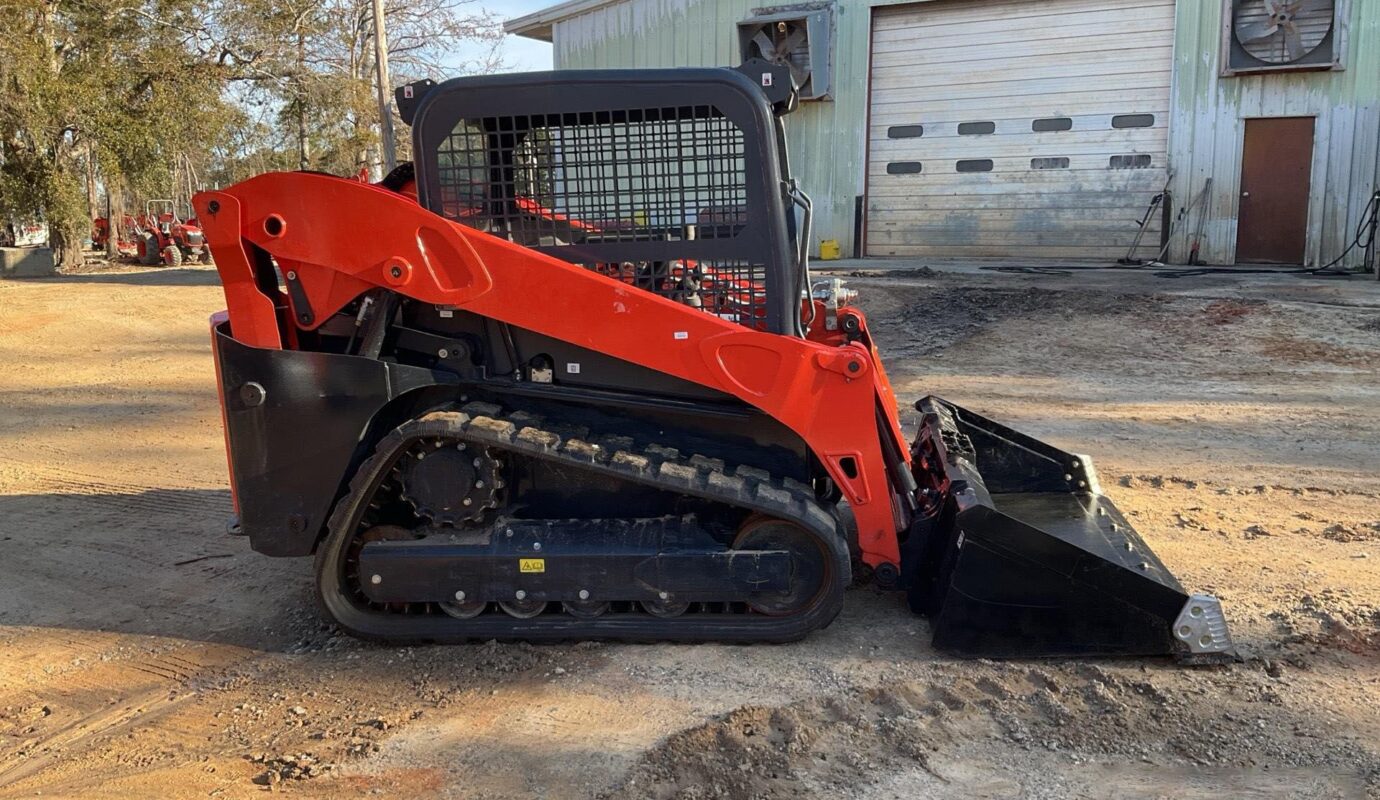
x,y
1282,34
798,39
786,44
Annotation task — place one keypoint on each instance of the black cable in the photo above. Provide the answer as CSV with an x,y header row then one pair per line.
x,y
1365,235
1173,274
1369,219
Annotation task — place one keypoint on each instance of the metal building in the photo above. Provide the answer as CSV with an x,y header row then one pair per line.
x,y
1031,128
1289,133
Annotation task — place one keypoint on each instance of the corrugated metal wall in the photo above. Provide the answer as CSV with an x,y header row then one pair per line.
x,y
827,138
1207,129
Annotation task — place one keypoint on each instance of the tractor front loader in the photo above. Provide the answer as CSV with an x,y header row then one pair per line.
x,y
566,376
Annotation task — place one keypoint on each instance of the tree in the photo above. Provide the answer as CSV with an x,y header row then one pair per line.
x,y
315,65
91,87
157,96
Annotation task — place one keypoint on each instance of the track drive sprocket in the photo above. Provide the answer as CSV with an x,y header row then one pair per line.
x,y
450,484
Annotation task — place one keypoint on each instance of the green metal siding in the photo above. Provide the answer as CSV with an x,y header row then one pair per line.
x,y
828,149
1207,128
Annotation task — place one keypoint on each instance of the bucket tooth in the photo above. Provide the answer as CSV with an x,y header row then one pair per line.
x,y
1018,553
1202,626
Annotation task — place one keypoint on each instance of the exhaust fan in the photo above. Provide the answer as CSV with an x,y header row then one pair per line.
x,y
1268,35
801,39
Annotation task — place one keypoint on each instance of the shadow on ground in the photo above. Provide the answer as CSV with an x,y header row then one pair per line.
x,y
157,562
154,276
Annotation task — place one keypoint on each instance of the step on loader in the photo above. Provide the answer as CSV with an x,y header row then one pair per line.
x,y
566,376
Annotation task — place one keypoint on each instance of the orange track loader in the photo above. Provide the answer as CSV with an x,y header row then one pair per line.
x,y
566,376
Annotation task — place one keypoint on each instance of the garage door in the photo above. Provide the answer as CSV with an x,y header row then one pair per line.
x,y
1017,128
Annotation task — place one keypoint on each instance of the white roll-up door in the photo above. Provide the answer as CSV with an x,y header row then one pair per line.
x,y
1017,128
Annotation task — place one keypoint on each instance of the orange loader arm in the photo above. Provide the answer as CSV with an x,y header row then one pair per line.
x,y
337,238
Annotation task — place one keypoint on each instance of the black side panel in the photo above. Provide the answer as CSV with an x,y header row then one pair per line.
x,y
295,421
502,353
573,365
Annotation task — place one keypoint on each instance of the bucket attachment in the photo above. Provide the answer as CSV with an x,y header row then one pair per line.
x,y
1018,554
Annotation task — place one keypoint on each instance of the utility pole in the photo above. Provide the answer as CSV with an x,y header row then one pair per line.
x,y
390,159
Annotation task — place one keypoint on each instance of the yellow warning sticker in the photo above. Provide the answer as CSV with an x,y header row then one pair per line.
x,y
531,564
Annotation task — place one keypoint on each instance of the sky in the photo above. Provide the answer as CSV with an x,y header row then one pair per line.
x,y
523,55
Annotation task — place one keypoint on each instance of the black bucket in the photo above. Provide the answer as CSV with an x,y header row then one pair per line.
x,y
1018,554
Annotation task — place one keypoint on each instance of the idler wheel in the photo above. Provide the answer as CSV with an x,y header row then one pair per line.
x,y
811,574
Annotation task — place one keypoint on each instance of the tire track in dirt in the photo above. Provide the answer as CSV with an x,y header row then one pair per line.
x,y
118,552
81,714
180,497
136,510
114,577
170,474
983,730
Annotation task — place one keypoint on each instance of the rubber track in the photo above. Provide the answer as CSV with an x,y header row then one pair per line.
x,y
653,465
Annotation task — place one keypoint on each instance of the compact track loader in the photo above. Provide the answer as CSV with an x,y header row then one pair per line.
x,y
566,376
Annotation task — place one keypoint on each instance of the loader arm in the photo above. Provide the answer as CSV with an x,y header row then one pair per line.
x,y
308,224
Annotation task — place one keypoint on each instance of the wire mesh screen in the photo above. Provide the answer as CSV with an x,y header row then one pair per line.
x,y
611,183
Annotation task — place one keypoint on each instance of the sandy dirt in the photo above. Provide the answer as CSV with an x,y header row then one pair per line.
x,y
145,652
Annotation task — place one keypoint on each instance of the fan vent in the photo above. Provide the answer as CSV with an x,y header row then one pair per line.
x,y
801,39
1282,34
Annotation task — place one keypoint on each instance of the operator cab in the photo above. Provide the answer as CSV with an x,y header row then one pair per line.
x,y
669,180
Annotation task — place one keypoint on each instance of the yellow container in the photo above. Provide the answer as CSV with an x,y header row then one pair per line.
x,y
829,250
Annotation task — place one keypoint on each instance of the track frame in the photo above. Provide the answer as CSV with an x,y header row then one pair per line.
x,y
483,424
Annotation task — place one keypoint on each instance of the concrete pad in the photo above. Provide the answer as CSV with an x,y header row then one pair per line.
x,y
1275,284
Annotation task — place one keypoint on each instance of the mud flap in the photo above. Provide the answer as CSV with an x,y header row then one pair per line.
x,y
1020,555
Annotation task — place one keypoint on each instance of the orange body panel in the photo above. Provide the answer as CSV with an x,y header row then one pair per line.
x,y
342,238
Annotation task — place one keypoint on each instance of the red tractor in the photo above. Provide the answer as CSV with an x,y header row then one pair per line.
x,y
162,237
127,235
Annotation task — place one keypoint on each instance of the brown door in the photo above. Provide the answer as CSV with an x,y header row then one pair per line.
x,y
1276,170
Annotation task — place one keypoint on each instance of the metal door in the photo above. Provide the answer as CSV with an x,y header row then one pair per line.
x,y
1276,173
1017,129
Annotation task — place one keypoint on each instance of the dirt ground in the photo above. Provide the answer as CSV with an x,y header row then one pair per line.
x,y
1236,420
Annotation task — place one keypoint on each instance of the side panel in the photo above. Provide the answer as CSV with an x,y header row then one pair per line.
x,y
294,421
